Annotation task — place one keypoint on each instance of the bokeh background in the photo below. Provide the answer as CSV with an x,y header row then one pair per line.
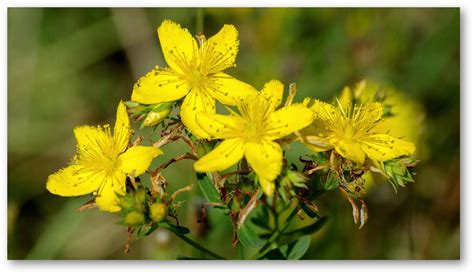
x,y
69,67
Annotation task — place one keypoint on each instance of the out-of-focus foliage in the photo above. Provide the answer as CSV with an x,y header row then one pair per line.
x,y
68,67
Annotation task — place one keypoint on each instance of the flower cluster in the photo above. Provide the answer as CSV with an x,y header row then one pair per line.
x,y
247,143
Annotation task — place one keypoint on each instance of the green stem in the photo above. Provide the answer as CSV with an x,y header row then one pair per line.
x,y
199,20
264,249
197,246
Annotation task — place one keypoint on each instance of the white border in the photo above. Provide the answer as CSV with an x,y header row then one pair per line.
x,y
466,264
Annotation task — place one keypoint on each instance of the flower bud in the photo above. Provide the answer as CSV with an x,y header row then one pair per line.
x,y
140,196
134,218
157,114
158,212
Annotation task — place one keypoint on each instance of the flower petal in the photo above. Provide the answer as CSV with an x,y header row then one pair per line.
x,y
122,130
266,159
219,126
273,91
159,85
383,147
345,98
322,111
70,181
196,102
137,159
226,154
178,45
289,119
219,51
370,113
94,139
107,199
350,150
228,90
315,143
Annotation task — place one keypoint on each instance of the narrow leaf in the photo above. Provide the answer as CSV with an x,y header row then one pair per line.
x,y
308,230
248,237
300,248
207,188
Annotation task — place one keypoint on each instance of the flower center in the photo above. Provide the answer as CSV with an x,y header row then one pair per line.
x,y
197,79
253,132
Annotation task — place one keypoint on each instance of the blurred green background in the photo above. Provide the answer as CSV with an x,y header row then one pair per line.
x,y
69,67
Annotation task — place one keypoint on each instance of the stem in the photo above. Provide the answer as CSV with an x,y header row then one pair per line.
x,y
199,20
276,235
198,246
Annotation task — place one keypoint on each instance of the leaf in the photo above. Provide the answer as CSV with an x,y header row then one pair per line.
x,y
308,230
310,212
207,188
146,230
261,218
284,250
177,229
300,248
248,237
332,181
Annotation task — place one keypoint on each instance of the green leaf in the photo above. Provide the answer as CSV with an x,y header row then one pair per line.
x,y
248,237
309,211
146,230
308,230
300,248
177,229
332,181
284,250
319,158
261,218
207,188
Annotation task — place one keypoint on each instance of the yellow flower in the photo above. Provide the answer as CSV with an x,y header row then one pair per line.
x,y
350,130
252,134
102,162
194,72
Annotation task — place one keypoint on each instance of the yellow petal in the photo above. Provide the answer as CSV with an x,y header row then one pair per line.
x,y
159,86
219,126
70,181
266,159
382,147
97,140
346,98
315,143
194,103
220,51
137,159
228,90
122,130
178,45
268,187
107,197
370,113
350,150
322,111
273,92
289,119
226,154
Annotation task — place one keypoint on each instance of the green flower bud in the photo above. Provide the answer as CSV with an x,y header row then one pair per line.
x,y
158,212
126,203
134,218
157,114
140,196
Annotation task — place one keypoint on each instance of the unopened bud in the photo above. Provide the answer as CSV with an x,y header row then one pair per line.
x,y
157,114
158,212
134,218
